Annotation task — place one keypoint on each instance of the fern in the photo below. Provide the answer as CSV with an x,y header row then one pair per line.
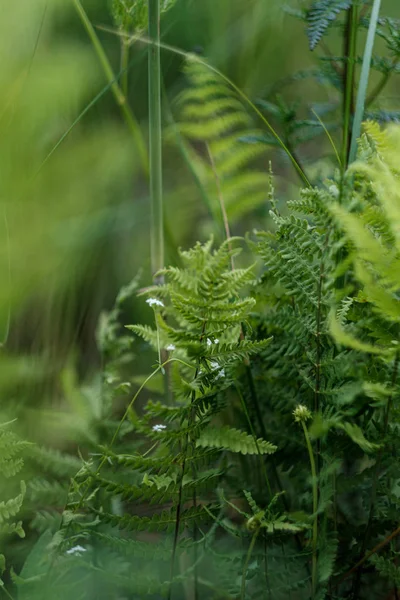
x,y
321,15
234,441
212,116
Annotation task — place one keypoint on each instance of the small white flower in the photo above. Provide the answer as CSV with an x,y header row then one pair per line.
x,y
209,342
215,366
159,427
76,550
170,347
334,190
154,302
216,341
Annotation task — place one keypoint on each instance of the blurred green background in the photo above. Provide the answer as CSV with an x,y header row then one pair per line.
x,y
74,216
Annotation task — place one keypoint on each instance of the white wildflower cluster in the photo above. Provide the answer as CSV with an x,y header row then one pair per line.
x,y
159,427
154,302
171,347
334,190
209,342
76,550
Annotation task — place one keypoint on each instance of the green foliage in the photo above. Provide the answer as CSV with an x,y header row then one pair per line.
x,y
258,458
12,450
320,15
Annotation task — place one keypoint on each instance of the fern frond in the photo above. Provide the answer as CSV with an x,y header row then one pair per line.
x,y
321,15
233,440
213,115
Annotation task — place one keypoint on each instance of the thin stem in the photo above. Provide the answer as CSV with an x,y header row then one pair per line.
x,y
7,593
329,137
124,67
315,508
116,90
155,136
364,77
185,449
246,563
378,88
349,72
376,549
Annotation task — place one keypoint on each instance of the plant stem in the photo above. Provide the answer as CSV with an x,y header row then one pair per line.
x,y
362,88
349,71
124,67
155,136
185,449
378,89
246,563
116,90
315,508
374,550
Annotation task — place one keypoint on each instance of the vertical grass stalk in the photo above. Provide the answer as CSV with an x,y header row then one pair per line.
x,y
301,415
349,72
364,77
155,138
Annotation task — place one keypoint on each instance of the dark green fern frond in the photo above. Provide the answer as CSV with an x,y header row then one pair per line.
x,y
321,15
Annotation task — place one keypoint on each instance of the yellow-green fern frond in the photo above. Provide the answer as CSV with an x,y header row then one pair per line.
x,y
215,122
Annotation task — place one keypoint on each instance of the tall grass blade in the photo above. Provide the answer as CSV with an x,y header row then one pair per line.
x,y
362,88
118,94
155,137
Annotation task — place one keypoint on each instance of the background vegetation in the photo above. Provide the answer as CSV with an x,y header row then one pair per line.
x,y
76,227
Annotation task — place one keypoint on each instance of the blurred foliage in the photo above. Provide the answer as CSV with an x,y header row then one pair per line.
x,y
74,217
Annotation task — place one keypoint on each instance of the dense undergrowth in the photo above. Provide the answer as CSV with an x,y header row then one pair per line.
x,y
257,457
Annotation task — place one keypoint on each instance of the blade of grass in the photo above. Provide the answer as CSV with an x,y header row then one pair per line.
x,y
349,72
328,136
364,77
155,137
119,96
